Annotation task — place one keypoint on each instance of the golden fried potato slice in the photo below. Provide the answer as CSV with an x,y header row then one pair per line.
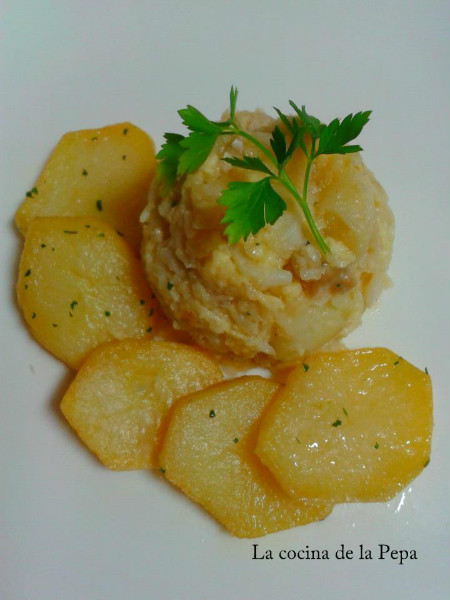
x,y
104,173
81,285
208,452
119,400
351,426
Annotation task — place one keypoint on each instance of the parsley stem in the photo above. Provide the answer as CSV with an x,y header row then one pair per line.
x,y
301,201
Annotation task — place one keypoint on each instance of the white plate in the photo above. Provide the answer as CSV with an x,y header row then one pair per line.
x,y
73,530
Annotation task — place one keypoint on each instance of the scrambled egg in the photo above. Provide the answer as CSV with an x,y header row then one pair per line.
x,y
274,295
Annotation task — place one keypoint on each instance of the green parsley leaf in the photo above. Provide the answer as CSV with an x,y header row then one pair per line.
x,y
250,205
278,143
196,121
169,155
334,136
337,423
197,147
251,163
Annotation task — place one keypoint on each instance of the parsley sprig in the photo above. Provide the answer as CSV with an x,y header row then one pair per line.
x,y
252,205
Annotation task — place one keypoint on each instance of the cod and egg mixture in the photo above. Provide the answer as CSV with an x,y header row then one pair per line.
x,y
274,295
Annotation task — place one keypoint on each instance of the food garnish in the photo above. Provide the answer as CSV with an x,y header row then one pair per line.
x,y
251,205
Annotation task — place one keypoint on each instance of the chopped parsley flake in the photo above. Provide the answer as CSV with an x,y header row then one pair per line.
x,y
26,286
95,138
55,324
397,362
27,273
99,205
72,231
101,234
125,131
141,302
212,413
337,423
169,285
43,245
426,370
297,440
163,470
32,192
376,446
345,412
33,315
124,157
338,285
235,440
120,233
73,304
150,312
305,367
84,173
149,329
107,313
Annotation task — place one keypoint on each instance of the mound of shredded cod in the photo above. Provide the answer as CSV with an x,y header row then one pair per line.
x,y
274,295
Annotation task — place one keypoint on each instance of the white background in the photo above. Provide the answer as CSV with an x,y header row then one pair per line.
x,y
71,529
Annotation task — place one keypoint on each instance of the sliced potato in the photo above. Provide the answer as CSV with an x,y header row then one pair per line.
x,y
119,400
208,452
81,285
104,173
352,426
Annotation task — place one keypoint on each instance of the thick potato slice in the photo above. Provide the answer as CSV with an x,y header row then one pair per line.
x,y
208,452
80,285
119,400
351,426
104,173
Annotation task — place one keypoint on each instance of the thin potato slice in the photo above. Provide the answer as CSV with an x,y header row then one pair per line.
x,y
208,452
81,285
352,426
104,173
119,400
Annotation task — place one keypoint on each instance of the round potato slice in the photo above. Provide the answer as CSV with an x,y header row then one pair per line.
x,y
81,285
208,452
104,173
352,426
119,400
